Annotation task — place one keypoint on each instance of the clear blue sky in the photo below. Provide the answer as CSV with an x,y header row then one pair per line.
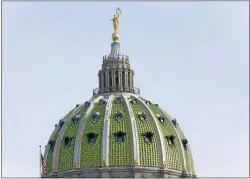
x,y
191,58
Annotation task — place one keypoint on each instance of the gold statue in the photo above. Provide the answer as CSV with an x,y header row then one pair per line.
x,y
115,20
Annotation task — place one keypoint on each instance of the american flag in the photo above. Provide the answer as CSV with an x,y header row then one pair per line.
x,y
44,166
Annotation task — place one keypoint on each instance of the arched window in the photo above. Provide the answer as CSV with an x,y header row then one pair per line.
x,y
161,118
148,137
87,104
61,123
95,117
185,143
120,136
51,145
118,116
142,116
170,140
75,119
174,121
67,141
92,138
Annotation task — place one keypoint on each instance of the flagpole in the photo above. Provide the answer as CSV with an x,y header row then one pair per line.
x,y
40,161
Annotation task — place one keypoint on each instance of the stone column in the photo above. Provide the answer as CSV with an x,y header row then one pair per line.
x,y
131,88
102,82
126,87
99,78
129,81
120,87
107,81
113,80
132,81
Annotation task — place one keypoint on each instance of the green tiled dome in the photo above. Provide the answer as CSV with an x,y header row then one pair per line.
x,y
117,133
157,151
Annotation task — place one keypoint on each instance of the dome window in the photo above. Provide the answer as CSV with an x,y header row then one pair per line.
x,y
170,140
161,118
118,116
147,103
134,101
92,138
174,121
148,137
77,105
157,105
87,104
120,137
61,123
75,119
142,116
185,143
55,125
101,101
118,101
67,141
95,117
51,145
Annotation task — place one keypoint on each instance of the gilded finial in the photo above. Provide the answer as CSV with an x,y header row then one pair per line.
x,y
115,20
105,163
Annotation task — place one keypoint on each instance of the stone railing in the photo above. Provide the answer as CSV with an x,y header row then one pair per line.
x,y
96,91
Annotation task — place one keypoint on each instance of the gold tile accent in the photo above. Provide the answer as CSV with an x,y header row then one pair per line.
x,y
136,163
164,165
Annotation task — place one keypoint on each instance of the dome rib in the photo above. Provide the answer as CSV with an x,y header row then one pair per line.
x,y
66,155
60,136
149,153
192,162
90,155
59,139
105,138
78,141
49,156
173,153
187,153
135,140
159,132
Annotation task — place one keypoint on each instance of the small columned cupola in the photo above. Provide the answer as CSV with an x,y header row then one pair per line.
x,y
116,74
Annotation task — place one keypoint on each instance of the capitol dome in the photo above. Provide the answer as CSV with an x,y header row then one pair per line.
x,y
118,133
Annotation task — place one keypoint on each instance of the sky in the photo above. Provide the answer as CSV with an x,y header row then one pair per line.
x,y
191,58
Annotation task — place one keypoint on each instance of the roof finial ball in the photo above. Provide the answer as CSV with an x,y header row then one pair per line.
x,y
115,35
